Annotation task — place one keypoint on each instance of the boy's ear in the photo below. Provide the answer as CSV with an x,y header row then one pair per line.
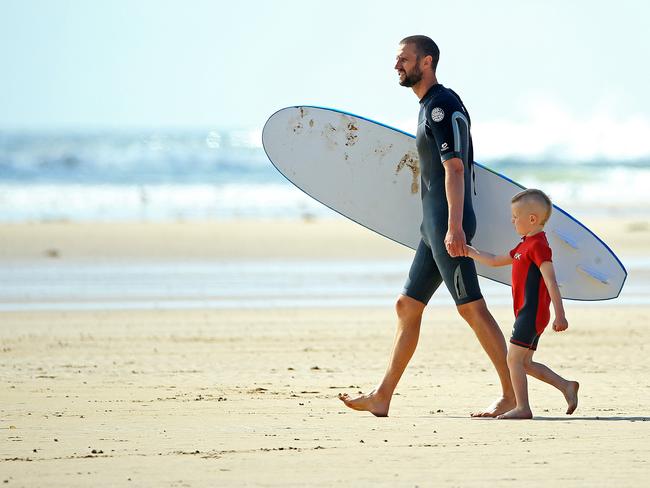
x,y
532,218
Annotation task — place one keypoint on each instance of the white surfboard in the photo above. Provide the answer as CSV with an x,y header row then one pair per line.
x,y
369,173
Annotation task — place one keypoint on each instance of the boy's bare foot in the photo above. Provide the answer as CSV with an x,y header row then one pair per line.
x,y
370,402
500,406
517,413
571,395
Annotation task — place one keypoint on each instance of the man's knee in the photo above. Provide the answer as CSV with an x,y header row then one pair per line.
x,y
408,308
473,311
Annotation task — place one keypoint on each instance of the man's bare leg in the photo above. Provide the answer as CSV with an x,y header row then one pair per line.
x,y
479,318
409,317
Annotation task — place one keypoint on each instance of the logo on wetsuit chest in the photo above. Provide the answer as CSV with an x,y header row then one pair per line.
x,y
437,114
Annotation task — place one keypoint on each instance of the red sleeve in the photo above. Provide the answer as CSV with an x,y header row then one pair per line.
x,y
539,253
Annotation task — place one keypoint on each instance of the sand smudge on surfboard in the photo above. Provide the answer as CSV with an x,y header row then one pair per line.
x,y
329,132
351,134
298,125
383,150
411,161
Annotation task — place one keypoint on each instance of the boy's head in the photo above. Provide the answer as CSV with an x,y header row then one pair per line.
x,y
531,209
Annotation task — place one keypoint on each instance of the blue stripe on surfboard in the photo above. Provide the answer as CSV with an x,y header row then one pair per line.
x,y
478,164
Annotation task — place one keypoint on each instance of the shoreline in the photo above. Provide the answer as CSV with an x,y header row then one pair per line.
x,y
238,264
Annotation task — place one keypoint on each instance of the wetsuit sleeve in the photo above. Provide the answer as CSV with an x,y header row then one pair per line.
x,y
540,253
450,129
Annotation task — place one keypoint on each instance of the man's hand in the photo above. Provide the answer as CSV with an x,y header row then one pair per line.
x,y
455,243
560,324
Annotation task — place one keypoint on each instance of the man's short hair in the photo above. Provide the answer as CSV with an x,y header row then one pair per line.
x,y
537,196
424,46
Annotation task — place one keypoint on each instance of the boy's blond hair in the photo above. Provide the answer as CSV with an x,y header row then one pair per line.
x,y
536,196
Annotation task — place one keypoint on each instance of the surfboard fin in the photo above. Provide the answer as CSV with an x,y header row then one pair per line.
x,y
594,274
568,240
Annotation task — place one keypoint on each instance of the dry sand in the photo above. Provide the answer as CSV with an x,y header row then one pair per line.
x,y
248,397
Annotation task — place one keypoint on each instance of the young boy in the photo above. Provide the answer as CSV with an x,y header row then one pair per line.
x,y
534,288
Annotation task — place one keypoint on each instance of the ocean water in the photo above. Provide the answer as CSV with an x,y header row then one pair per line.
x,y
198,175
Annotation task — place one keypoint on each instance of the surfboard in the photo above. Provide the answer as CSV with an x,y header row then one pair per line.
x,y
369,172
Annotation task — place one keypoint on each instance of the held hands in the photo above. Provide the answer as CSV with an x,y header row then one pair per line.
x,y
455,243
560,324
470,251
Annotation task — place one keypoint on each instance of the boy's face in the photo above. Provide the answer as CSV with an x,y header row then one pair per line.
x,y
523,219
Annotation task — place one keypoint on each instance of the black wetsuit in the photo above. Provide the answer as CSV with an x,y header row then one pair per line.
x,y
443,133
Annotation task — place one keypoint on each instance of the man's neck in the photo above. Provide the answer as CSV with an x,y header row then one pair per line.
x,y
422,87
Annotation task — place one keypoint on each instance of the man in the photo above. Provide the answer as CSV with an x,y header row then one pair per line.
x,y
445,150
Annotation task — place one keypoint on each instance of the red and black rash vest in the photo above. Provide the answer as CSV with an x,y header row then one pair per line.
x,y
531,299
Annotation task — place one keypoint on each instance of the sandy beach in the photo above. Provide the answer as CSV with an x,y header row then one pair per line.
x,y
247,396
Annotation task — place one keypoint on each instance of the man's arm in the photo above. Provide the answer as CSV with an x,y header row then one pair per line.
x,y
548,273
455,191
487,258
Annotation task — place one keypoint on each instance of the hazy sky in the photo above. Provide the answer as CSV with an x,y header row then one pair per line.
x,y
549,66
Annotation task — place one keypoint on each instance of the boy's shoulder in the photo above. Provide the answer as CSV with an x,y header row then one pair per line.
x,y
538,249
539,239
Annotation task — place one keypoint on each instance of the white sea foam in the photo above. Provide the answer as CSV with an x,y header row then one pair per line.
x,y
548,131
618,191
155,202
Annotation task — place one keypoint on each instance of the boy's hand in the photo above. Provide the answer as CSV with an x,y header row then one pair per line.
x,y
560,324
470,251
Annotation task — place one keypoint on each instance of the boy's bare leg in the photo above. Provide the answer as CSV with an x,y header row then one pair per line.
x,y
543,373
488,333
517,358
409,318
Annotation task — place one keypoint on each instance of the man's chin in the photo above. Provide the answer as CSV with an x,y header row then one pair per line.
x,y
409,81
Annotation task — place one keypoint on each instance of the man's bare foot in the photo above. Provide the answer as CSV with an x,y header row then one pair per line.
x,y
370,402
500,406
517,413
571,395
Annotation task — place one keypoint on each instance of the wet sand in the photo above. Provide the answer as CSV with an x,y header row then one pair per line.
x,y
248,397
245,239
